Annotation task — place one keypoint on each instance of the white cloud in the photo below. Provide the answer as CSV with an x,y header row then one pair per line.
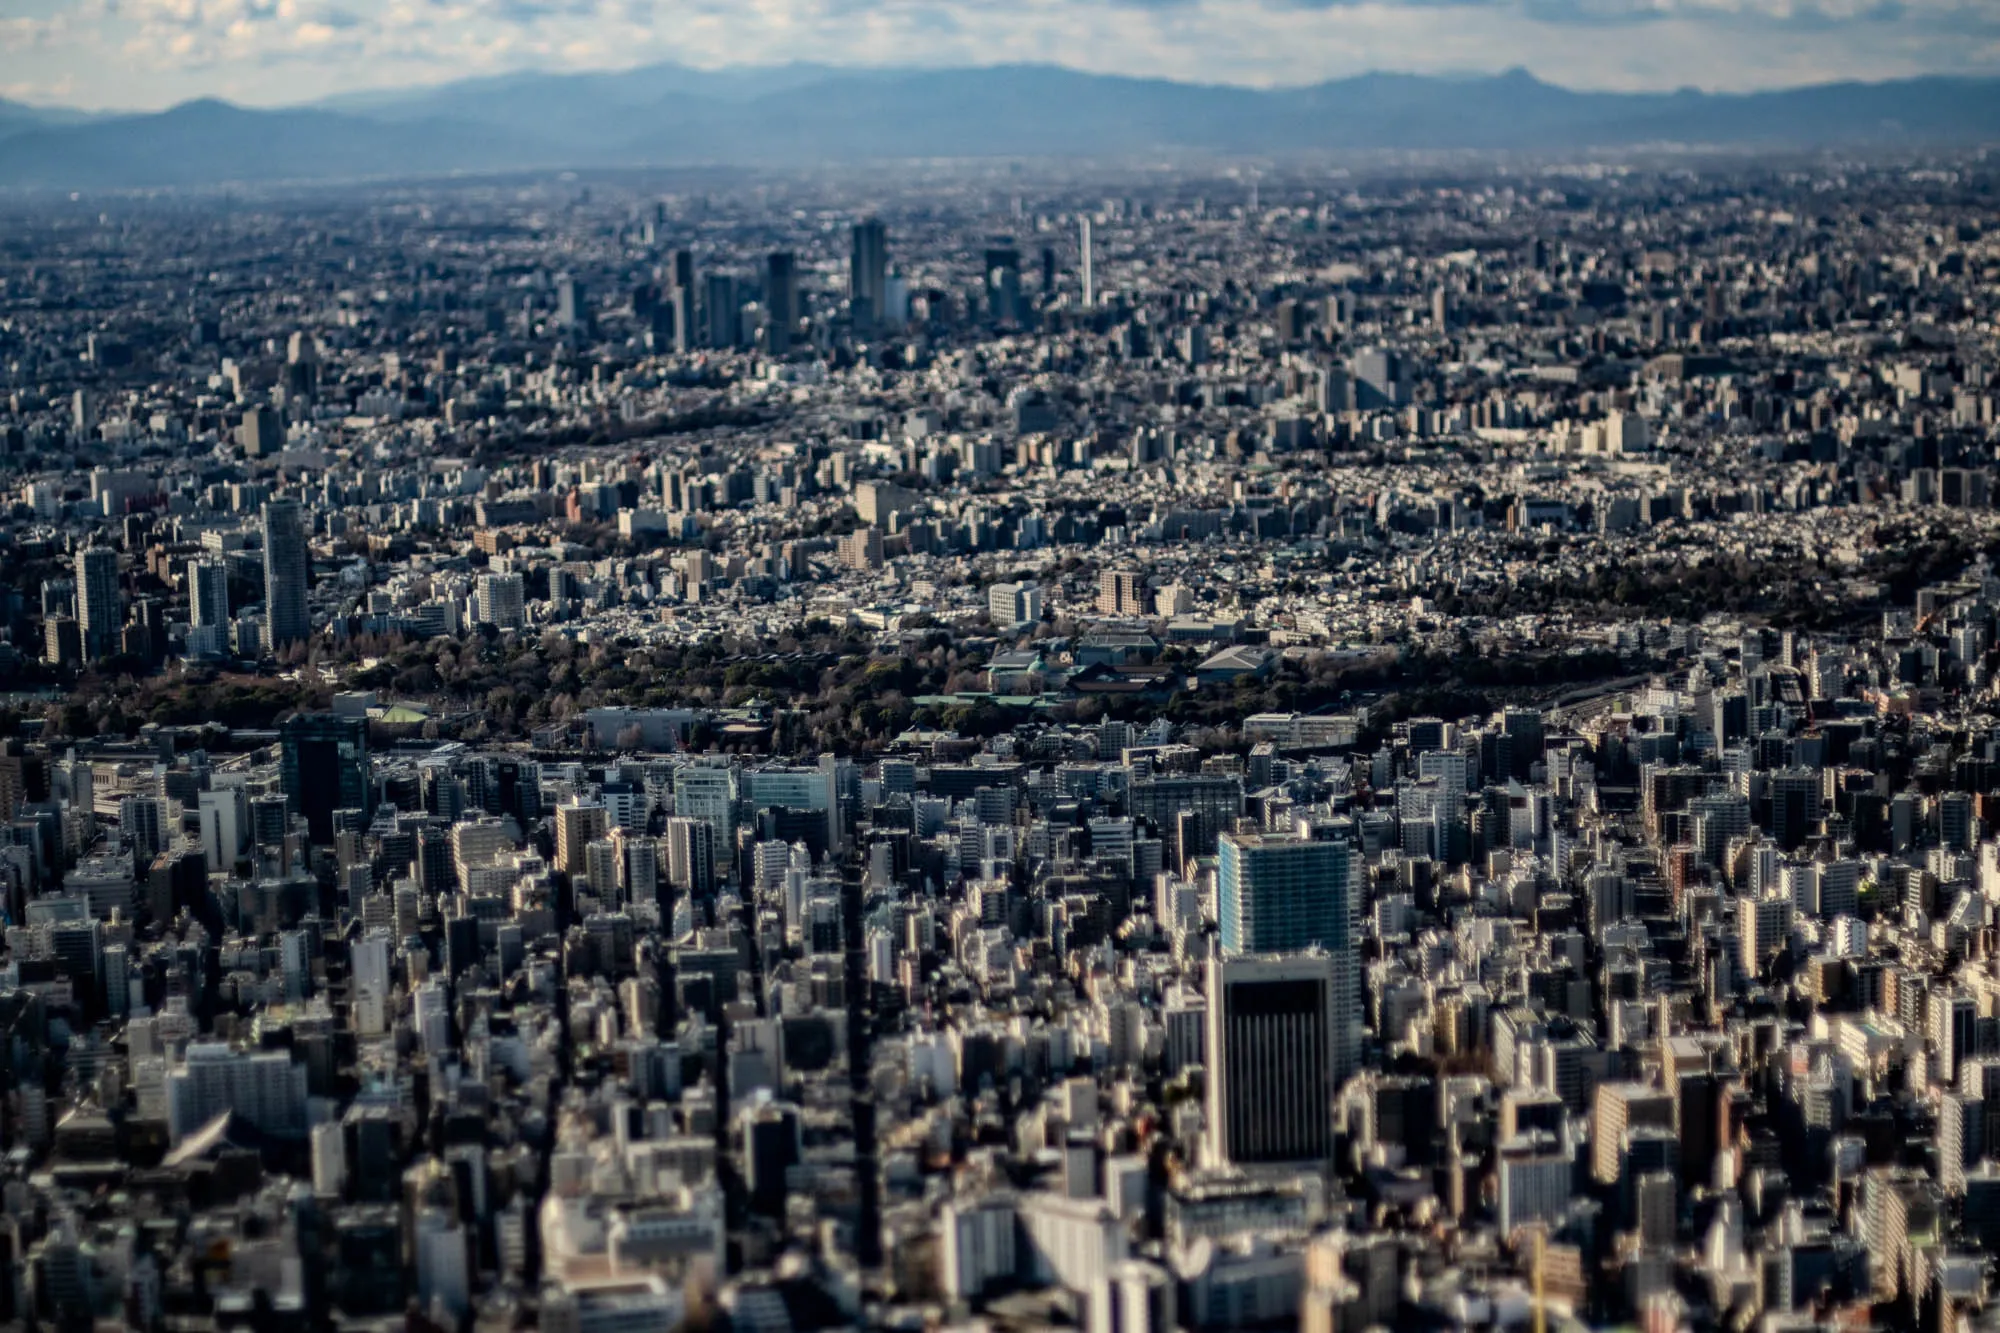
x,y
271,51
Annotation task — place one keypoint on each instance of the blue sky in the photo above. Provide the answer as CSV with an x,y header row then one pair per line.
x,y
151,53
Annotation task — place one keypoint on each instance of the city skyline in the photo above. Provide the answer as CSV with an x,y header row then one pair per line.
x,y
1185,741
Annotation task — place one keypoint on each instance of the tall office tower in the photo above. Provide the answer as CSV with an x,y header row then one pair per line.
x,y
269,820
324,765
1273,1042
208,593
501,600
1281,895
708,793
1089,280
1795,805
372,983
680,298
225,826
723,309
1961,1139
117,980
143,821
1278,894
577,826
58,598
1952,1025
286,620
1955,819
638,867
77,948
1381,378
691,855
781,301
262,432
97,606
679,306
1621,1108
1003,282
1122,592
570,307
868,274
600,869
442,1261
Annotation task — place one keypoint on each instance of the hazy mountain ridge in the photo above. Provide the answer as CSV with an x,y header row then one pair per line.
x,y
671,115
21,118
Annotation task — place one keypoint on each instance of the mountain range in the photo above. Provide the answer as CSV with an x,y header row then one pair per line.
x,y
671,115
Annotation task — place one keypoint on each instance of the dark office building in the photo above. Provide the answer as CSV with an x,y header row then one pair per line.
x,y
1272,1034
325,768
781,301
287,619
1003,282
868,273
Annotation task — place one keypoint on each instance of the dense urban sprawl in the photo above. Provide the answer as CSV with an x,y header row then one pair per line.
x,y
1409,746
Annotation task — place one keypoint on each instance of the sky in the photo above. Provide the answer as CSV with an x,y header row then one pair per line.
x,y
145,54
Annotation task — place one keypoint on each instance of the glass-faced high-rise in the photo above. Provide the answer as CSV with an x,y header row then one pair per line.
x,y
1284,896
1280,895
324,767
868,273
98,609
287,621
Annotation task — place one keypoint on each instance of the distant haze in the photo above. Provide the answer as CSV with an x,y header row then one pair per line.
x,y
668,115
150,54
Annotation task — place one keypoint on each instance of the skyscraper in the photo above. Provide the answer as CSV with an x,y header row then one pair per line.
x,y
680,298
500,600
286,620
1275,1058
723,311
691,855
97,606
324,766
571,310
208,592
1282,894
781,301
577,826
1089,282
1122,592
1003,281
868,273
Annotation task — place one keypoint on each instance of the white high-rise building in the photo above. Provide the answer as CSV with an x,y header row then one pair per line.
x,y
708,792
208,592
371,982
501,600
329,1160
1088,273
225,822
263,1087
433,1018
1010,605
